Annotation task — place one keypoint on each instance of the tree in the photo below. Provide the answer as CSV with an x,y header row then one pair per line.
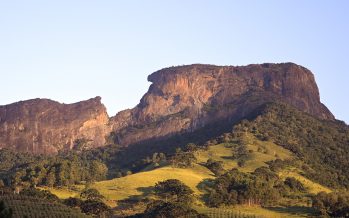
x,y
174,190
73,202
91,194
261,187
160,209
94,207
51,178
183,159
42,194
294,184
191,147
98,170
62,173
215,166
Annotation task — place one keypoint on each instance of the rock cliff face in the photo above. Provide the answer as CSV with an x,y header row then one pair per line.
x,y
180,99
45,126
188,97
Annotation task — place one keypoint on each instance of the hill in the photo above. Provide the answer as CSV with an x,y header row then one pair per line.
x,y
277,141
321,145
224,141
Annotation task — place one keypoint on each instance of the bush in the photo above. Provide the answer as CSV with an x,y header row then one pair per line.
x,y
94,207
73,202
294,184
183,159
91,194
215,166
42,194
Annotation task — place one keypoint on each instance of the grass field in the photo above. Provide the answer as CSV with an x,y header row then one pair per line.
x,y
311,186
140,184
262,152
62,193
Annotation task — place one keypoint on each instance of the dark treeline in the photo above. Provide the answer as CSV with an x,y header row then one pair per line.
x,y
176,200
64,169
262,187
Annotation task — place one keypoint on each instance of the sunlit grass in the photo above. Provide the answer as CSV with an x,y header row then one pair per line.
x,y
140,183
257,158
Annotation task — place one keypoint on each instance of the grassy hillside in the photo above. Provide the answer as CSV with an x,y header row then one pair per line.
x,y
311,186
63,192
322,145
139,184
288,143
260,153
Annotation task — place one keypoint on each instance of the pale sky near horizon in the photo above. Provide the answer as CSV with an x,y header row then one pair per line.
x,y
72,50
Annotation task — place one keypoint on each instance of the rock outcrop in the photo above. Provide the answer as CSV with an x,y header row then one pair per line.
x,y
189,97
180,99
45,126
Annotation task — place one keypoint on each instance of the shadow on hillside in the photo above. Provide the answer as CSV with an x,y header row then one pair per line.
x,y
204,165
204,186
228,158
135,202
296,210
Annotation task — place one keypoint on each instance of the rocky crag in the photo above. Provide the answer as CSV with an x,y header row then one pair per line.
x,y
180,99
45,126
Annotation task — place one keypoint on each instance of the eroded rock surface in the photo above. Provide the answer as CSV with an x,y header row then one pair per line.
x,y
188,97
180,99
46,126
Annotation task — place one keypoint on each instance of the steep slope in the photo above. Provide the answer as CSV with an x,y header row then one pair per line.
x,y
186,98
180,100
45,126
322,145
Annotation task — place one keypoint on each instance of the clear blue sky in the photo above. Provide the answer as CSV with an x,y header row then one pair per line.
x,y
71,50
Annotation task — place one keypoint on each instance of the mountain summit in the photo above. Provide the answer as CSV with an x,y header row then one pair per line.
x,y
180,99
185,98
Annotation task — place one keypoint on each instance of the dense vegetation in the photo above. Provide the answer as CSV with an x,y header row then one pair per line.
x,y
104,160
174,191
176,201
332,204
262,187
322,145
61,170
160,209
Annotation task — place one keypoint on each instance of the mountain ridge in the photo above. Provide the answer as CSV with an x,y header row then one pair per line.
x,y
192,96
180,99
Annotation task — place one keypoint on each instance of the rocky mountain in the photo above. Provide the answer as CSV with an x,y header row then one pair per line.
x,y
180,99
46,126
185,98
